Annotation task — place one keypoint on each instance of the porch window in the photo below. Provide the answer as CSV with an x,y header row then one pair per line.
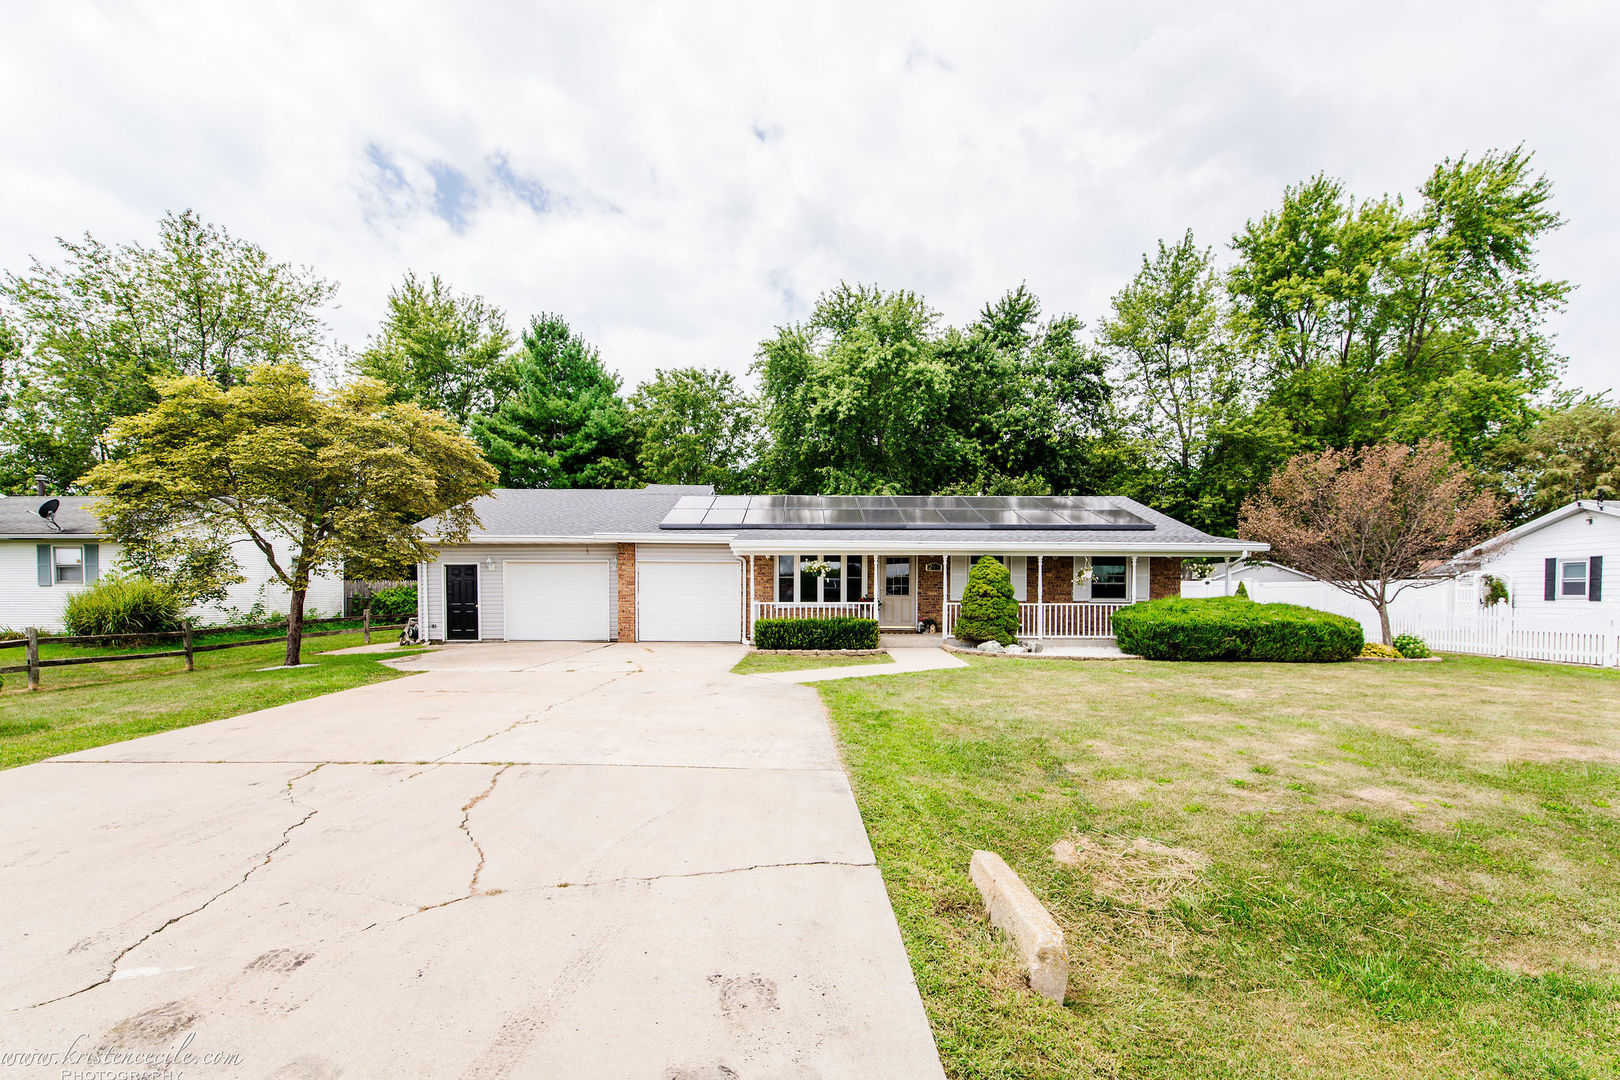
x,y
852,576
1572,577
832,582
1108,579
897,577
784,579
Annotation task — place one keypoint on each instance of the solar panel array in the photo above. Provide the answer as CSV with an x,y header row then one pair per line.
x,y
1047,512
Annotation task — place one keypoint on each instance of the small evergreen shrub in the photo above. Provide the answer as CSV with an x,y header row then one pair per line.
x,y
833,633
1242,591
1411,646
122,605
396,602
1379,650
1226,628
989,605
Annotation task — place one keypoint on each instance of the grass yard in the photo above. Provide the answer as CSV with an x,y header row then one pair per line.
x,y
93,704
760,663
1349,870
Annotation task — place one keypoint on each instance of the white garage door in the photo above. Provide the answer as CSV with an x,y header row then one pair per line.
x,y
689,601
557,601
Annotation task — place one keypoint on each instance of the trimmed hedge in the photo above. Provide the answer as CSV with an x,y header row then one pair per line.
x,y
398,601
989,605
1226,628
837,633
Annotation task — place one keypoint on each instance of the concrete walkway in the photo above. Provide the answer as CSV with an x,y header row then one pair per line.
x,y
905,660
528,860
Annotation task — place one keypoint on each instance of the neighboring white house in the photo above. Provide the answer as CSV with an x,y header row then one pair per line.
x,y
43,562
1553,564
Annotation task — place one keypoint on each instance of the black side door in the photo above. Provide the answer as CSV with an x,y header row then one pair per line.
x,y
461,602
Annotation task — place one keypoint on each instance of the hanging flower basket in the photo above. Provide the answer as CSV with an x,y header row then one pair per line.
x,y
818,568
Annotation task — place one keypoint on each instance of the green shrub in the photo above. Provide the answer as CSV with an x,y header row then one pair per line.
x,y
989,605
836,633
1242,592
396,602
122,605
1226,628
1411,646
1380,650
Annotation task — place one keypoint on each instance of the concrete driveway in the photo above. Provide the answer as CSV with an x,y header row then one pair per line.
x,y
549,860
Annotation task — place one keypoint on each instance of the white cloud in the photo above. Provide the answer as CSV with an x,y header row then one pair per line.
x,y
678,181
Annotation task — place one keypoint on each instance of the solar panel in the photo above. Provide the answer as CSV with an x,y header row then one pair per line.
x,y
897,512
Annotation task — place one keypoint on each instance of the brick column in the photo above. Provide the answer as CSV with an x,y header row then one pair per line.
x,y
1058,588
627,592
763,571
1164,578
931,588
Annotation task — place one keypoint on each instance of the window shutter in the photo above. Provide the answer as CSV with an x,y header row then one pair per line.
x,y
92,562
1551,591
46,567
1594,578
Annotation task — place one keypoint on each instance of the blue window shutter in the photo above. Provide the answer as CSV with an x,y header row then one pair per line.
x,y
1594,578
92,562
1551,591
45,564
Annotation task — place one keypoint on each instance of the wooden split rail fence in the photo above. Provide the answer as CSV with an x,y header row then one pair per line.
x,y
189,645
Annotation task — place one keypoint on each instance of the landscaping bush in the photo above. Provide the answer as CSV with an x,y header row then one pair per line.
x,y
1379,650
396,602
1411,646
839,633
122,605
1226,628
1242,592
989,605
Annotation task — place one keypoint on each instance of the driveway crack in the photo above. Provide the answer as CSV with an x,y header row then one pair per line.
x,y
710,873
535,716
478,868
286,838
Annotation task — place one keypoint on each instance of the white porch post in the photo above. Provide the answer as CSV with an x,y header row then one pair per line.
x,y
1040,597
1227,564
1130,583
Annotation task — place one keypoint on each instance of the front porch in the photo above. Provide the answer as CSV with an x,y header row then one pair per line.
x,y
1060,597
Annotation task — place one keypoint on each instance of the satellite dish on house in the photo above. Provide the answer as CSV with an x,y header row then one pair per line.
x,y
48,509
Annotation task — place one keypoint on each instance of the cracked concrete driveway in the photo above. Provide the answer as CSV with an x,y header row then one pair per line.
x,y
548,860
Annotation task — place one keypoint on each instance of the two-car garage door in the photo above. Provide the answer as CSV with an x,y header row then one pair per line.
x,y
679,600
689,601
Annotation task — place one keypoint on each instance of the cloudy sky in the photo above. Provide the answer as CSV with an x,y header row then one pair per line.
x,y
677,179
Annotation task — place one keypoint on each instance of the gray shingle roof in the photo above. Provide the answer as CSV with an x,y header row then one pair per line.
x,y
19,516
515,512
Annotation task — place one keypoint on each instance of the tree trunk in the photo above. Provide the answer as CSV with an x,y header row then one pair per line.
x,y
1383,621
295,628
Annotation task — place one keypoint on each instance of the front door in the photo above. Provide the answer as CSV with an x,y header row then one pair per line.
x,y
898,603
461,602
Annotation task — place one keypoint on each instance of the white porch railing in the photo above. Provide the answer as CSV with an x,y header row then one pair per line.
x,y
854,609
1081,619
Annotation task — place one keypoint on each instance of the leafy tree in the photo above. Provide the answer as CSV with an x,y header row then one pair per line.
x,y
870,396
989,605
1570,454
565,424
1366,520
309,477
441,350
98,330
693,426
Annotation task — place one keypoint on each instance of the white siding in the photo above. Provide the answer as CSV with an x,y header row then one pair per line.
x,y
24,602
491,586
1521,565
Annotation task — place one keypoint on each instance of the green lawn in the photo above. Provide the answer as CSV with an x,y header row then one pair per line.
x,y
1350,870
760,663
92,704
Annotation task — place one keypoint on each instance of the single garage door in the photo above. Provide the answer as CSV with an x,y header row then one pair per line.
x,y
557,601
689,601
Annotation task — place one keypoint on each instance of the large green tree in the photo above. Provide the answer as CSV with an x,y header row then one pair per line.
x,y
1570,454
312,478
693,426
100,328
442,350
871,394
565,424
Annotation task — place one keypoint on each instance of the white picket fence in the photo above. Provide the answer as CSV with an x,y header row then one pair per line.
x,y
1500,631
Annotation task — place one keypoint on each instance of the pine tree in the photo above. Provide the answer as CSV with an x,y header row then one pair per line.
x,y
989,605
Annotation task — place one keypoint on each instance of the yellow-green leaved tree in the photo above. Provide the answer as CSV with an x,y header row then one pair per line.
x,y
312,477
